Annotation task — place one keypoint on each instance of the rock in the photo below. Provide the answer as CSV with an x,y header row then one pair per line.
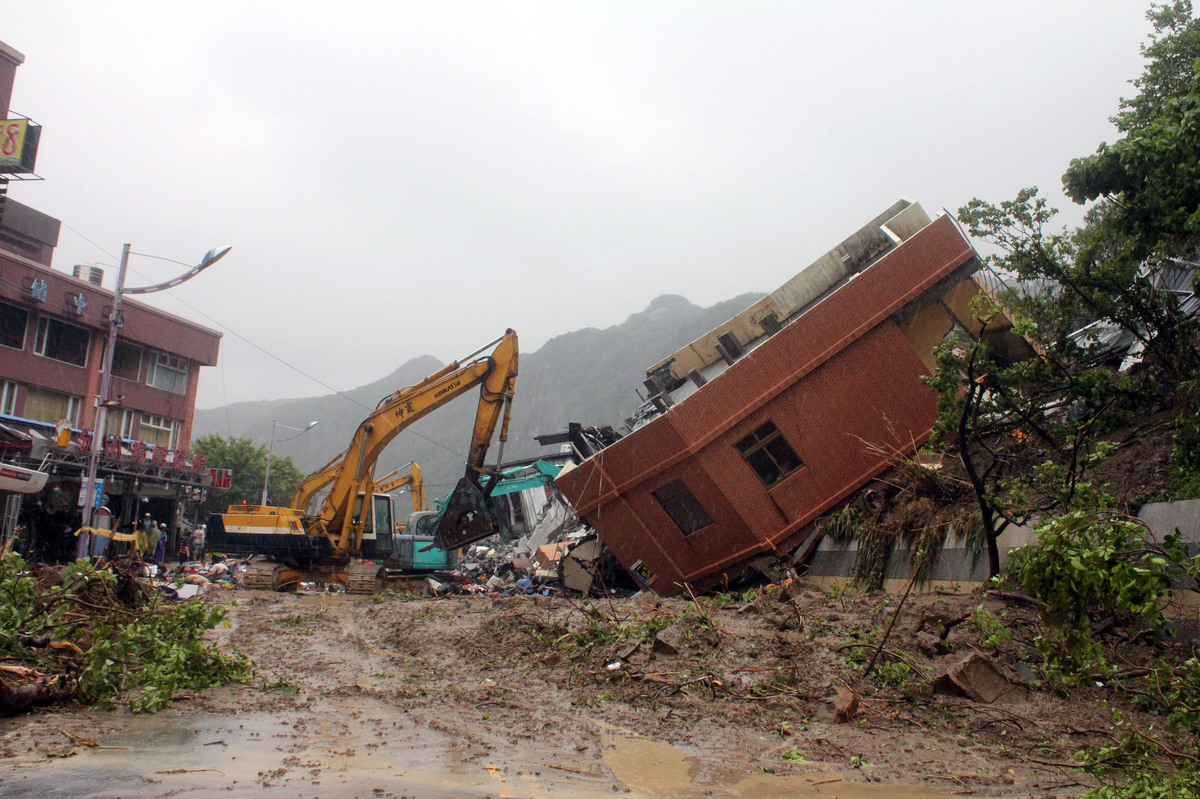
x,y
930,644
627,649
839,708
977,678
669,641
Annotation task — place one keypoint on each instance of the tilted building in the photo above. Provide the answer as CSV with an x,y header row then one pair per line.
x,y
759,427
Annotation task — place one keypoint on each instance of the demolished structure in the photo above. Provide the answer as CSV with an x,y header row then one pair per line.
x,y
754,430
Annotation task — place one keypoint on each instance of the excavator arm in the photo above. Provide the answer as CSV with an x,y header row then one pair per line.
x,y
352,479
307,491
414,481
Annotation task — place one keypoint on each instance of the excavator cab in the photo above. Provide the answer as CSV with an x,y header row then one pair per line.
x,y
469,515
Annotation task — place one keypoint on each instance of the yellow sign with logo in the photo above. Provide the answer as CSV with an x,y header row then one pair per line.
x,y
18,145
12,141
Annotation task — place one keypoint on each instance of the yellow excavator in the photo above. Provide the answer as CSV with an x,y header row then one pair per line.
x,y
414,481
330,546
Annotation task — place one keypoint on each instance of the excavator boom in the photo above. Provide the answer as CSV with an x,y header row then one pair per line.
x,y
495,375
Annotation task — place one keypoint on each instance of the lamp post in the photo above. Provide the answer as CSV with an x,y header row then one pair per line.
x,y
271,446
116,320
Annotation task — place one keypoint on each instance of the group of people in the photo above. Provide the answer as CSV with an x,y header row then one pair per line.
x,y
191,547
152,540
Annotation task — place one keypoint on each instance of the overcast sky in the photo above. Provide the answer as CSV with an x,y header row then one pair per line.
x,y
400,179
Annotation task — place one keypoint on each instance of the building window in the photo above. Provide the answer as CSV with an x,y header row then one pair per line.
x,y
159,431
127,361
51,406
61,341
769,454
12,326
168,373
683,507
119,423
8,397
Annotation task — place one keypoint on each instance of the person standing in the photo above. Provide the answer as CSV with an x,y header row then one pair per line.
x,y
160,549
148,544
142,535
198,543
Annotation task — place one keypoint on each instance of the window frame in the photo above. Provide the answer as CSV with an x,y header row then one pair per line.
x,y
124,427
43,337
168,363
8,306
131,348
9,392
769,454
74,405
681,505
160,424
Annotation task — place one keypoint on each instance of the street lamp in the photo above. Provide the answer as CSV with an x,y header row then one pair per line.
x,y
116,320
271,446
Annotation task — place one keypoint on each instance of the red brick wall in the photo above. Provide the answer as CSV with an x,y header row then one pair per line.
x,y
147,327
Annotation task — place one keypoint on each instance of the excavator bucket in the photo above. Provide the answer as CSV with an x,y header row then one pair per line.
x,y
468,517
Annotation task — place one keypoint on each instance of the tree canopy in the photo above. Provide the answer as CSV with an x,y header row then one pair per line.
x,y
248,462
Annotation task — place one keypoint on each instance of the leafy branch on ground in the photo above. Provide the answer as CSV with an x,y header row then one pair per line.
x,y
101,637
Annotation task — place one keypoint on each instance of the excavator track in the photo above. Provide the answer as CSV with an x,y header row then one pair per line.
x,y
364,578
260,576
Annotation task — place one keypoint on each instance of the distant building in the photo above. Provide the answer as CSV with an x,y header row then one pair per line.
x,y
754,430
53,333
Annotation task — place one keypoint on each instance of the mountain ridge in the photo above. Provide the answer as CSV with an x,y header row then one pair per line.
x,y
589,375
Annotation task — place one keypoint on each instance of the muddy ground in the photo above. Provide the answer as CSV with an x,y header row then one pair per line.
x,y
537,696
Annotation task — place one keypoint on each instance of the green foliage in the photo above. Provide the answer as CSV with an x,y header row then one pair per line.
x,y
1092,566
141,651
163,652
893,672
1170,57
601,630
1025,431
1138,766
248,462
995,634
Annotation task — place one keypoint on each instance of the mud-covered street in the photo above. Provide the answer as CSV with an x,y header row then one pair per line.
x,y
533,696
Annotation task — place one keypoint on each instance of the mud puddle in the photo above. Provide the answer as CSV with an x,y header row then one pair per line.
x,y
655,769
353,753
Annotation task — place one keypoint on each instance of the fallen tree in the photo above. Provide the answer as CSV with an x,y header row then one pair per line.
x,y
101,636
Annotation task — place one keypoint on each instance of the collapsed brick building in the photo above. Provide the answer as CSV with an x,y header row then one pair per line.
x,y
759,427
